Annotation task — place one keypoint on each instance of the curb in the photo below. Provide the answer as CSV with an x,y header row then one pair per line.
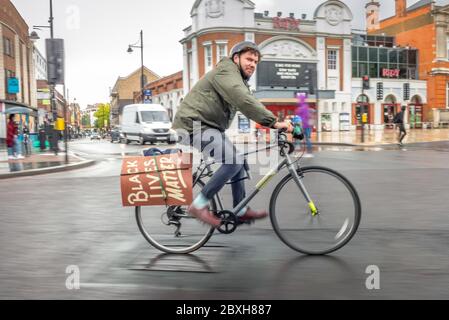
x,y
35,172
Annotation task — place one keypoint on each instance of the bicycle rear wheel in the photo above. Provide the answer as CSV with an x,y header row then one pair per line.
x,y
308,232
172,229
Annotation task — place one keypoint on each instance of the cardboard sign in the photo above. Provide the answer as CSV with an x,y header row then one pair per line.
x,y
157,181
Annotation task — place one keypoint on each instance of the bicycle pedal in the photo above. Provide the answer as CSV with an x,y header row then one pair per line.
x,y
247,222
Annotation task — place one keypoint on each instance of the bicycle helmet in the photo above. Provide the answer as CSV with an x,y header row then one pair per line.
x,y
243,47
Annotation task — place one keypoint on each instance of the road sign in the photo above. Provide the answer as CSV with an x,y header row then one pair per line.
x,y
148,93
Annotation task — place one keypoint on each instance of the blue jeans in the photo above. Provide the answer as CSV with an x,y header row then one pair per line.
x,y
215,144
16,149
308,136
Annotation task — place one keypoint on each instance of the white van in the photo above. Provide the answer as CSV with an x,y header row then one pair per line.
x,y
147,123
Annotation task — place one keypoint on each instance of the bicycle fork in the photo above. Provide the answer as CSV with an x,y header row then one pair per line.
x,y
298,180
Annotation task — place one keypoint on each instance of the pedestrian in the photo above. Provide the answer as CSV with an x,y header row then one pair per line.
x,y
26,140
399,121
304,113
12,140
42,138
214,102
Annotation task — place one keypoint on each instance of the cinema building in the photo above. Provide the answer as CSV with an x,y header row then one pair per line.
x,y
301,55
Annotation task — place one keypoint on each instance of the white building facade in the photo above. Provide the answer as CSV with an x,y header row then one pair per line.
x,y
308,56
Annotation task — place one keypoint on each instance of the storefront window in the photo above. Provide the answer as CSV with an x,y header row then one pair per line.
x,y
393,56
403,56
363,69
363,54
412,57
373,70
373,56
372,61
383,55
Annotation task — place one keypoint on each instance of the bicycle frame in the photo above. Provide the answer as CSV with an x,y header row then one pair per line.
x,y
287,162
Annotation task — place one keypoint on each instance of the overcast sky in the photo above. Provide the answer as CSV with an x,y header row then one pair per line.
x,y
97,34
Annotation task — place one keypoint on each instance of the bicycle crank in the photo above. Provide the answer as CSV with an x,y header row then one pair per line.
x,y
229,222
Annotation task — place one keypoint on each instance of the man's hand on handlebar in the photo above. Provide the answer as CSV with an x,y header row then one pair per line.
x,y
284,126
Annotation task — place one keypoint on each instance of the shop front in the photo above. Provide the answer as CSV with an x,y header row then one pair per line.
x,y
362,111
415,109
390,108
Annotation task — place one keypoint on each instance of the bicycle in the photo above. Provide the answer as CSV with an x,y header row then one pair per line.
x,y
320,222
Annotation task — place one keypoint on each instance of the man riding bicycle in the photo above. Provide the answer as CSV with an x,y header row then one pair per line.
x,y
213,103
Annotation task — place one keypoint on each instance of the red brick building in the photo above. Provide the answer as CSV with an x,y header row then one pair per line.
x,y
167,91
17,84
424,26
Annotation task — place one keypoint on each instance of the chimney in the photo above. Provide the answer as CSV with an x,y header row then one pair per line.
x,y
401,8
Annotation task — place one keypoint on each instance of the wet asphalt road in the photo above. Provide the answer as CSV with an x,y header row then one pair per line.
x,y
54,221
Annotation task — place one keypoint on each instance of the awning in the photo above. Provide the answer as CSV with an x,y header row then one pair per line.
x,y
13,107
18,110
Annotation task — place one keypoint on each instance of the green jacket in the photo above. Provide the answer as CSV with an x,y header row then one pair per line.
x,y
216,98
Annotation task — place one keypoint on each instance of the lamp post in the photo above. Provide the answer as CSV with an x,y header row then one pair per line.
x,y
130,50
35,36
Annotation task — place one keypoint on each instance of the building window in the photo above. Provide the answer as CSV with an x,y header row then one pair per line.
x,y
8,47
447,96
191,75
373,61
222,51
208,57
332,60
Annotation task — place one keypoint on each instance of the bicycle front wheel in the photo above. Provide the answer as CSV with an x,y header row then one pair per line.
x,y
172,229
320,227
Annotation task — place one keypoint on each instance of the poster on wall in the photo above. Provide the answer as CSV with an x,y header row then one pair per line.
x,y
286,74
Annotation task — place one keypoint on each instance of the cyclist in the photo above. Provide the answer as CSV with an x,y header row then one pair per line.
x,y
213,102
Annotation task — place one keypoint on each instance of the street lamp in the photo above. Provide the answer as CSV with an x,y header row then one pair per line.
x,y
130,50
34,36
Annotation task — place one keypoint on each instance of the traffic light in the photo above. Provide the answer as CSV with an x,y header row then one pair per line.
x,y
366,84
380,91
406,91
55,61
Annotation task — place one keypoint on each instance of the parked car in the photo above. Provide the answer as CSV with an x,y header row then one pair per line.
x,y
95,136
147,123
116,135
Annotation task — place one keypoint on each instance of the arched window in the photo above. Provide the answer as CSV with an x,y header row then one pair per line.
x,y
363,98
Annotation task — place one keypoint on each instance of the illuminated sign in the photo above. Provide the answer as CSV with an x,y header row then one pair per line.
x,y
391,73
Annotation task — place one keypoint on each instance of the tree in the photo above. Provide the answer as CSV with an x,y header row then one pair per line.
x,y
102,116
85,121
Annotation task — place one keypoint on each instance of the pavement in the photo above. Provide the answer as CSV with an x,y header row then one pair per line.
x,y
375,138
39,163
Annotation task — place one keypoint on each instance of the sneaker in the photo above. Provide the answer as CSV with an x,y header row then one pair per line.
x,y
251,215
205,216
11,158
20,157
